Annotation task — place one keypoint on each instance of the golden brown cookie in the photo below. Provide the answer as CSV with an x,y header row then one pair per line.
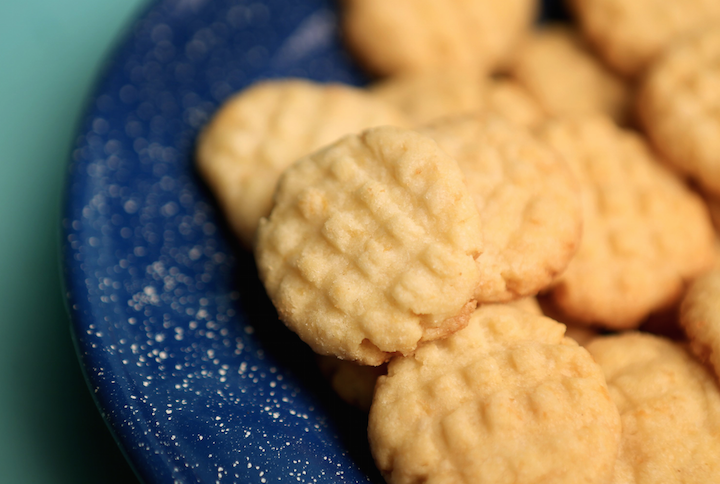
x,y
679,106
556,66
394,37
355,383
263,129
527,198
700,317
630,34
370,247
507,399
644,232
426,96
670,409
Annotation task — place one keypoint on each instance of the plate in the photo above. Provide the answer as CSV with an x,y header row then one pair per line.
x,y
195,376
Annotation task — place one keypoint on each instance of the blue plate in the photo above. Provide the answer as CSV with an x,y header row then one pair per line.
x,y
194,374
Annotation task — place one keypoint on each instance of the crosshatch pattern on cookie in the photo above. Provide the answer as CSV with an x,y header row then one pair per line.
x,y
370,247
507,399
528,201
669,405
644,231
355,383
679,105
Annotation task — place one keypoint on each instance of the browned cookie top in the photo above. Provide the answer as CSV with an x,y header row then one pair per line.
x,y
370,248
399,36
508,399
630,34
644,231
679,106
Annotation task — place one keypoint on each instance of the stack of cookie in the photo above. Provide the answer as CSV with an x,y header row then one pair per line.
x,y
404,231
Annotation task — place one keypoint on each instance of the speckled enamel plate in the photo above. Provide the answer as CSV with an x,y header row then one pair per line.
x,y
196,377
189,364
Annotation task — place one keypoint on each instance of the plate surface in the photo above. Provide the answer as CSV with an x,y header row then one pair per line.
x,y
189,365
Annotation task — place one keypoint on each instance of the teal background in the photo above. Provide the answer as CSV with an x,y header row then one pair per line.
x,y
51,52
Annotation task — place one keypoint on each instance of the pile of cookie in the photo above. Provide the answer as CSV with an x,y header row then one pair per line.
x,y
496,245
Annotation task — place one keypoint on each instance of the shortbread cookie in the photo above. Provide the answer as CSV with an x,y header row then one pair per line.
x,y
630,34
556,66
426,96
527,198
670,409
370,248
355,383
394,37
508,399
679,106
644,232
700,317
261,131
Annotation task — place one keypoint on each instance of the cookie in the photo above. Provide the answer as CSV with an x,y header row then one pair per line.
x,y
527,198
403,36
355,383
370,247
679,102
700,318
506,399
426,96
263,129
630,34
670,409
644,231
556,67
